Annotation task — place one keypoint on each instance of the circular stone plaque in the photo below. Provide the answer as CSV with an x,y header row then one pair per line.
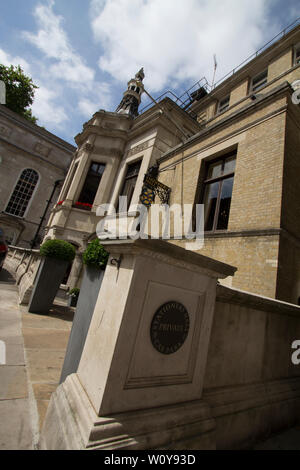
x,y
169,327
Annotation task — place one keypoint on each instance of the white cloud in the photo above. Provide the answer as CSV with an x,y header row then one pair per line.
x,y
87,107
46,108
60,63
53,41
7,60
68,88
101,98
175,41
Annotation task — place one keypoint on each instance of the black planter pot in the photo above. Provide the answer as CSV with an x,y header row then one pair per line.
x,y
89,291
48,279
72,302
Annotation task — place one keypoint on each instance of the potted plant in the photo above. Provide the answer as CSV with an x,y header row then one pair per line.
x,y
56,256
95,259
73,296
95,255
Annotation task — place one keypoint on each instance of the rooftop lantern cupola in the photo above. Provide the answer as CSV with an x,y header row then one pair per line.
x,y
132,96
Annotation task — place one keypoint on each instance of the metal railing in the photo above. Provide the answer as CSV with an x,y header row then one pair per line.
x,y
185,100
276,38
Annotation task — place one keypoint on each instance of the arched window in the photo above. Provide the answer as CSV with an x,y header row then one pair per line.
x,y
22,193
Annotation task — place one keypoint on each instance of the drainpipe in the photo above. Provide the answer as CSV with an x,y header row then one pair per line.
x,y
34,241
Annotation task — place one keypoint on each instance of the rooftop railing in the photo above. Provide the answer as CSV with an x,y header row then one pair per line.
x,y
186,99
276,38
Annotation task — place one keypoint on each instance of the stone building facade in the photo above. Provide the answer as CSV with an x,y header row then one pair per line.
x,y
235,149
33,165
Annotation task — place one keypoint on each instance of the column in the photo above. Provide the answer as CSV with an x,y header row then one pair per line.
x,y
139,382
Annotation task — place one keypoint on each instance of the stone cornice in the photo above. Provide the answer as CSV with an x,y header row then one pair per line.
x,y
263,232
254,301
142,119
157,121
35,129
248,108
171,254
100,131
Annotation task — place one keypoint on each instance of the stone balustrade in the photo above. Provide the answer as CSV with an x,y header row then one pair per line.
x,y
23,264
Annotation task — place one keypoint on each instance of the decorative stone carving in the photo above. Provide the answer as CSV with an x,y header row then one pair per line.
x,y
88,147
138,148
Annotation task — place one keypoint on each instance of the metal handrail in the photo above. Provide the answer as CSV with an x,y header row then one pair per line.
x,y
184,104
178,99
282,33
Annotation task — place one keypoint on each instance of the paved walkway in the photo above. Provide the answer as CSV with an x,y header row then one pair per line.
x,y
15,429
35,349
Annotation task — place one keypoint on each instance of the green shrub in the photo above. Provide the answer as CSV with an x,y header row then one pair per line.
x,y
58,249
74,292
95,255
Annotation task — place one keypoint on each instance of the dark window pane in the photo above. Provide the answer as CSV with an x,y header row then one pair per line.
x,y
218,192
225,200
133,169
129,183
260,80
214,170
229,165
210,202
224,104
97,169
91,184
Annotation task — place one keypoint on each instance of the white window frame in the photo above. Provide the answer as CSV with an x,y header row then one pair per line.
x,y
261,82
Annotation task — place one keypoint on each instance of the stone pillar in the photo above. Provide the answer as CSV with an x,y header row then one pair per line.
x,y
75,272
139,382
80,175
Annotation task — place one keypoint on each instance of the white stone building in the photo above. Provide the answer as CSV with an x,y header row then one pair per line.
x,y
33,165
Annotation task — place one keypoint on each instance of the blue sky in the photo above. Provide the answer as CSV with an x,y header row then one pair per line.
x,y
81,53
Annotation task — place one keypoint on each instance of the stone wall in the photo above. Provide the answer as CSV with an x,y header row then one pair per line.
x,y
23,265
231,385
250,382
24,145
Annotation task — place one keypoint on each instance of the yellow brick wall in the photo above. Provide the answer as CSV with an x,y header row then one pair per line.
x,y
239,92
275,69
280,64
289,251
256,198
255,257
228,129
